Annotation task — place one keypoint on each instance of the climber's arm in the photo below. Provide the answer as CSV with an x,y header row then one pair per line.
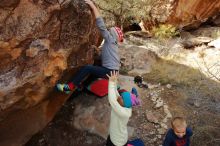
x,y
94,9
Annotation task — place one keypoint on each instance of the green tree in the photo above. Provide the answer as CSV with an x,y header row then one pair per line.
x,y
122,12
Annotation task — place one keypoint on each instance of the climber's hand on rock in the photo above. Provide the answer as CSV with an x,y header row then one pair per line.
x,y
89,2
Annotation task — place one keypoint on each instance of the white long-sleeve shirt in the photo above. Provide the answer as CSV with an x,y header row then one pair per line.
x,y
119,117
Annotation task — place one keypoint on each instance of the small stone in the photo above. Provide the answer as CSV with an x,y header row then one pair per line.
x,y
169,86
150,86
197,104
156,126
88,140
166,111
159,136
152,118
41,140
164,120
163,125
152,133
161,131
154,98
159,103
154,139
195,112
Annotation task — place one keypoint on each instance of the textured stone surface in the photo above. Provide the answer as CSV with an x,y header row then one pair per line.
x,y
182,13
39,40
194,12
179,100
136,60
93,114
93,117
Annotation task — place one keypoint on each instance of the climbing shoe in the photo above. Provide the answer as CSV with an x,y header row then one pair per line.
x,y
63,88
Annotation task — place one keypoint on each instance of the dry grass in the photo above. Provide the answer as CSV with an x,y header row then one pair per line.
x,y
169,72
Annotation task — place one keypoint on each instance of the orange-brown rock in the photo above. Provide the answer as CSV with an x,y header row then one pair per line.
x,y
193,13
183,13
39,41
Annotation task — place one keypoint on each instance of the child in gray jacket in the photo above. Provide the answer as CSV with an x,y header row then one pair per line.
x,y
109,54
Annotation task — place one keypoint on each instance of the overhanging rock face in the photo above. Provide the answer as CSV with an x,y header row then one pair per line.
x,y
39,40
194,13
183,13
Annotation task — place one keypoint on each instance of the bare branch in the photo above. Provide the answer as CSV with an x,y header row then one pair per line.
x,y
215,75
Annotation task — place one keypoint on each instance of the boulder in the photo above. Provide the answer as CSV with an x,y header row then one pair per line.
x,y
215,43
40,40
136,60
93,114
181,14
93,117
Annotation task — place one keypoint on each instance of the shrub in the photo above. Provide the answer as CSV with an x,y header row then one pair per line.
x,y
165,31
215,34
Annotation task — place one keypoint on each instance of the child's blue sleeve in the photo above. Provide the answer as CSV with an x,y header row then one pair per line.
x,y
189,132
168,139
